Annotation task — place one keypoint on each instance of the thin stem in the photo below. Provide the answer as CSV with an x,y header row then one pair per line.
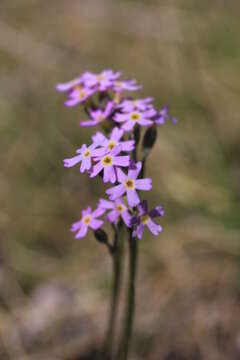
x,y
129,316
117,254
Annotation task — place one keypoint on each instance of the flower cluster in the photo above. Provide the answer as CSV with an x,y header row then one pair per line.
x,y
113,153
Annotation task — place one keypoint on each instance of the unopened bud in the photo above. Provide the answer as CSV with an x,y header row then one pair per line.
x,y
101,236
137,134
149,139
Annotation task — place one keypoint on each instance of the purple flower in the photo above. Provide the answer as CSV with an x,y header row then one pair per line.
x,y
85,157
109,163
135,117
89,219
129,184
163,115
98,115
118,209
102,81
113,141
132,105
78,96
144,218
129,85
73,84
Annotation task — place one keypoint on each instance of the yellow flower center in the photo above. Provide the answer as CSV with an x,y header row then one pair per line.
x,y
101,118
119,84
120,207
130,184
78,87
144,219
82,94
101,78
111,145
135,116
107,160
117,98
87,153
86,219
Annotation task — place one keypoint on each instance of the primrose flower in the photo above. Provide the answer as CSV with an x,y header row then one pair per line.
x,y
135,117
88,220
73,84
85,157
98,115
163,115
132,105
129,85
113,141
144,218
118,209
103,80
78,96
109,163
129,184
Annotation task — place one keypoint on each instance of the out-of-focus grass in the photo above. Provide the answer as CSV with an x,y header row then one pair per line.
x,y
186,54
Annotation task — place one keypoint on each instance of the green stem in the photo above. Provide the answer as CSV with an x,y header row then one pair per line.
x,y
129,316
117,255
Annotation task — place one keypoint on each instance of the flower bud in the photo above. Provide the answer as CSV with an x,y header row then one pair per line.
x,y
101,236
137,134
149,139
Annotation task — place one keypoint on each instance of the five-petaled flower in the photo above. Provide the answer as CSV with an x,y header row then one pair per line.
x,y
118,209
132,118
102,81
145,218
127,85
78,96
85,157
113,140
129,184
88,220
98,115
136,105
109,163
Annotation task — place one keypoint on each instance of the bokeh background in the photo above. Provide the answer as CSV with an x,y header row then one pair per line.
x,y
54,291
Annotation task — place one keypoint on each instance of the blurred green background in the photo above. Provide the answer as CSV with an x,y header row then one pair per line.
x,y
54,291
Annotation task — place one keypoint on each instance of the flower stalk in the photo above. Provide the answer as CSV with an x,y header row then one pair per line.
x,y
130,309
117,260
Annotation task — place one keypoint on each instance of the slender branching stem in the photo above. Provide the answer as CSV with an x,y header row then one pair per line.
x,y
130,309
117,256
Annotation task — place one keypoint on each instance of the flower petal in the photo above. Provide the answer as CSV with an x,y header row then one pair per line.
x,y
88,123
116,134
113,216
153,227
98,212
143,184
145,122
82,232
96,169
96,224
134,172
116,191
138,232
121,176
133,198
72,161
121,160
129,125
106,204
109,174
126,218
